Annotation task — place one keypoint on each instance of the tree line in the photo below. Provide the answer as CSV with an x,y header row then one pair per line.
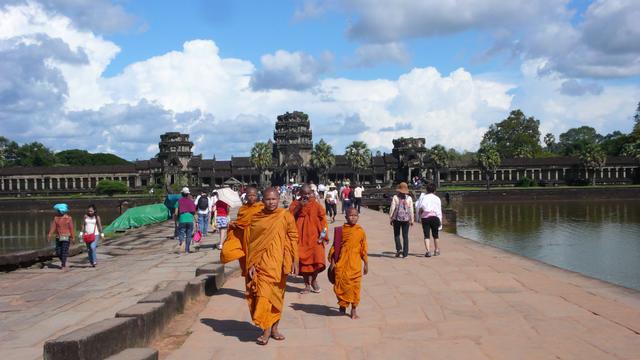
x,y
36,154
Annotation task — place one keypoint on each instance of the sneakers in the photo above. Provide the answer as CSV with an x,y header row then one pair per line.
x,y
428,254
398,253
436,253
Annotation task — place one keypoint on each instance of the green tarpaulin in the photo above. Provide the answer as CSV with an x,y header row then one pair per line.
x,y
139,216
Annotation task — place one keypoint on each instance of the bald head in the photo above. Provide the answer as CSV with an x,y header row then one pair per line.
x,y
352,215
306,190
271,198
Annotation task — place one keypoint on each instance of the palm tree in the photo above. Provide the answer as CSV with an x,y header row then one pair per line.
x,y
440,158
322,158
261,158
632,150
593,158
489,159
359,155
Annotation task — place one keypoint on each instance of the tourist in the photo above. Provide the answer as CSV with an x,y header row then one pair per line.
x,y
202,203
235,247
272,253
91,233
62,228
314,189
321,190
401,218
331,202
213,199
185,213
222,220
349,261
345,194
430,213
357,196
312,233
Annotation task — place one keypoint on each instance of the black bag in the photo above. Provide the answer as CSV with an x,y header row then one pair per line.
x,y
203,203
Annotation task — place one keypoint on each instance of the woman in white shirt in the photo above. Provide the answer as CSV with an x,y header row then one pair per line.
x,y
92,228
330,201
430,212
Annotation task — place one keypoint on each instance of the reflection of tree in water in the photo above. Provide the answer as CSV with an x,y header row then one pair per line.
x,y
515,222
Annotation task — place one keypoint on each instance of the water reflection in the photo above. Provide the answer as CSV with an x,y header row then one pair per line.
x,y
596,238
28,230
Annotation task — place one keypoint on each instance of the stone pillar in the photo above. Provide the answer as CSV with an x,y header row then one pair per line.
x,y
464,175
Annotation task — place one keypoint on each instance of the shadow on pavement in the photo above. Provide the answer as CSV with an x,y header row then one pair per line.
x,y
242,330
387,254
316,309
231,292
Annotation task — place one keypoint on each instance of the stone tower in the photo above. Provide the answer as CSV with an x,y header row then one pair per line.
x,y
412,155
293,145
174,156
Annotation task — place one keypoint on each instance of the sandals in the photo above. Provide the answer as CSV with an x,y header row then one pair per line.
x,y
278,337
305,291
262,340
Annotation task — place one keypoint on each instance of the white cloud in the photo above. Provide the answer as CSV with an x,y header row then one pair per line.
x,y
291,71
373,54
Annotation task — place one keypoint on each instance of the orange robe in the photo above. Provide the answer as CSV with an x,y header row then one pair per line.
x,y
272,248
234,246
349,265
311,220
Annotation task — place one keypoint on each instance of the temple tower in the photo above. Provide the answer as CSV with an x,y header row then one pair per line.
x,y
412,155
174,156
292,146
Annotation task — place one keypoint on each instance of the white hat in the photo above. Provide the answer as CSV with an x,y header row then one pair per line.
x,y
185,190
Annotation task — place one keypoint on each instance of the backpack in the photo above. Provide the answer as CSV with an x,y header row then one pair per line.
x,y
203,203
402,211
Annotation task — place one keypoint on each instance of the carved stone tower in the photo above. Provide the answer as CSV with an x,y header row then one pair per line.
x,y
175,153
292,147
411,154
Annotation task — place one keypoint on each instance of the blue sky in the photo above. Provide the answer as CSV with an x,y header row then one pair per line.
x,y
113,75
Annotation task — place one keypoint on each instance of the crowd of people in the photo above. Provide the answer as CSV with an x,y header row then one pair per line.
x,y
272,242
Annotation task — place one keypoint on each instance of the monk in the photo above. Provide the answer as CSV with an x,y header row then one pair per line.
x,y
234,246
312,236
348,268
272,253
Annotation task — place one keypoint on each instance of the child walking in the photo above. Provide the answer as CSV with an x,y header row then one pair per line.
x,y
62,228
349,261
92,232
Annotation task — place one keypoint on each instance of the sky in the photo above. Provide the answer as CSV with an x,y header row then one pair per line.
x,y
111,76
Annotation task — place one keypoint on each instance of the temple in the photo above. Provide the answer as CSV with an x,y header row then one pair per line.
x,y
292,145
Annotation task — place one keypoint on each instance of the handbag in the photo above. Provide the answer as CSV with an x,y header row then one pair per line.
x,y
197,236
89,238
337,246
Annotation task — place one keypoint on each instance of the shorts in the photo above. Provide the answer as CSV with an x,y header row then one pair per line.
x,y
430,223
222,222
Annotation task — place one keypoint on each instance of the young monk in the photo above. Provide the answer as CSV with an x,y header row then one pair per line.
x,y
235,247
312,235
272,253
348,267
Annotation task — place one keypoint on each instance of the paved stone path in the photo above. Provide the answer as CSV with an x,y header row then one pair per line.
x,y
472,302
41,304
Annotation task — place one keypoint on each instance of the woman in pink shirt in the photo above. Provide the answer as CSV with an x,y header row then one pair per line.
x,y
222,220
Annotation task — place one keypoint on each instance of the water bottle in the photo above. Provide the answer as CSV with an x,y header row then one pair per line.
x,y
323,234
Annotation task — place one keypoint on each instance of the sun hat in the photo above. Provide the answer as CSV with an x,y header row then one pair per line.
x,y
61,208
185,190
403,188
332,185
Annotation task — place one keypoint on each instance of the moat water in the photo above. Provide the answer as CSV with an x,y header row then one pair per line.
x,y
600,239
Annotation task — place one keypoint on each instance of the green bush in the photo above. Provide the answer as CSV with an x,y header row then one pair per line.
x,y
111,187
526,182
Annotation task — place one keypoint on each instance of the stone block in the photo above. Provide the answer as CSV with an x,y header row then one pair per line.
x,y
136,354
96,341
209,269
164,296
152,317
196,286
179,287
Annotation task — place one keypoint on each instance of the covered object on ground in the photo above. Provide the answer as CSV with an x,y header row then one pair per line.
x,y
139,216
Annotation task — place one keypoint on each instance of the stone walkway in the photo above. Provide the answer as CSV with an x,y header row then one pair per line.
x,y
41,304
472,302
